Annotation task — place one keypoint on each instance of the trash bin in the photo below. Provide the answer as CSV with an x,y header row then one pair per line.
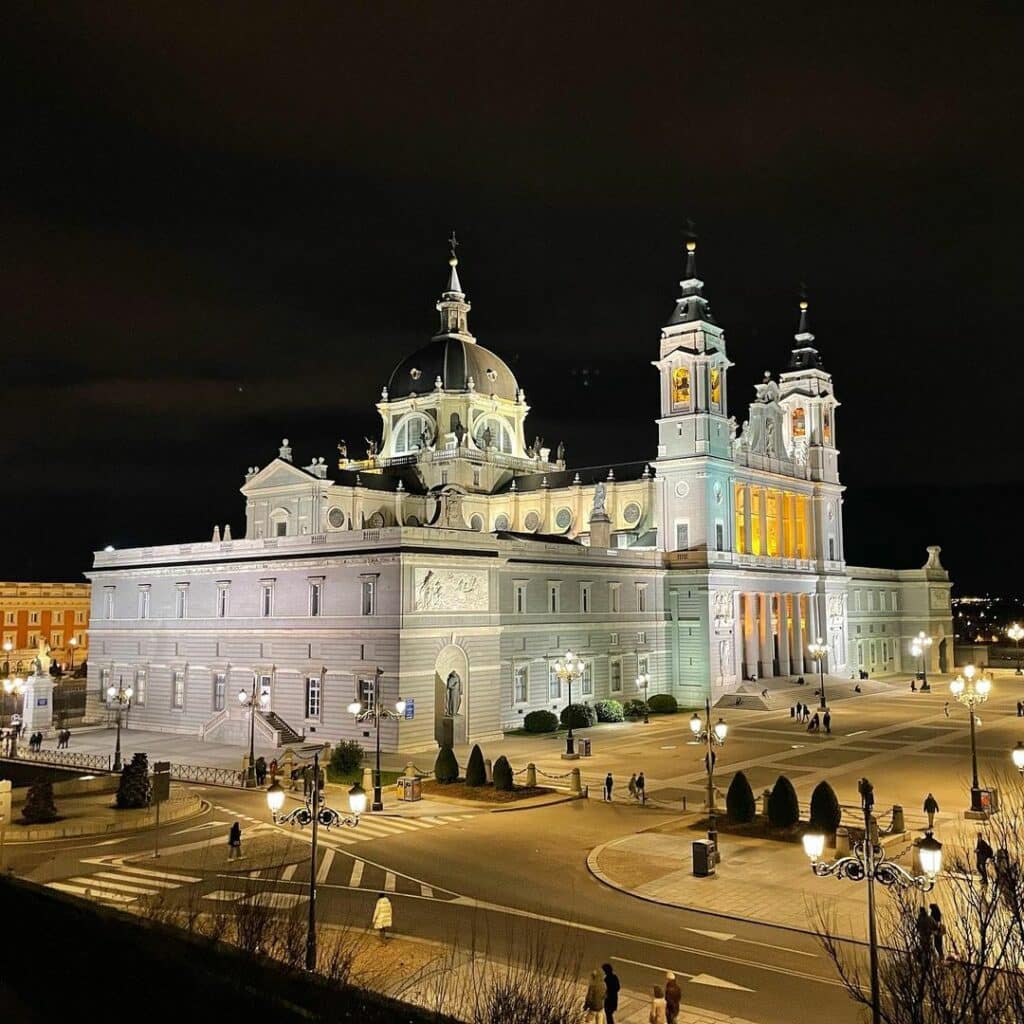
x,y
584,748
704,858
409,789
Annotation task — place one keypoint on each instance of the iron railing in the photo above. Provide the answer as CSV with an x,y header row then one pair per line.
x,y
67,759
208,775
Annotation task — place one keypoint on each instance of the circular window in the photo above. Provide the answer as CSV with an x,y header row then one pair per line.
x,y
501,522
682,489
376,521
532,521
412,520
563,518
476,523
336,518
631,513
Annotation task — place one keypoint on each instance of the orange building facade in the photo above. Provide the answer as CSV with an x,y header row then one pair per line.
x,y
55,612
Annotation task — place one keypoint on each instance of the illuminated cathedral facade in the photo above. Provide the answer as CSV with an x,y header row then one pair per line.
x,y
455,559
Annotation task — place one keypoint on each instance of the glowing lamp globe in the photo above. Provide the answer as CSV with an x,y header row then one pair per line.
x,y
357,799
275,796
400,706
1018,756
355,707
721,730
814,845
111,692
930,853
956,687
969,671
695,724
983,685
128,693
243,697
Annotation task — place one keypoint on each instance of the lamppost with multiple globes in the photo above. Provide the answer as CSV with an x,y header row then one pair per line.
x,y
13,687
122,697
970,689
713,736
567,669
73,644
248,700
819,650
868,863
919,649
1016,634
376,711
315,813
643,682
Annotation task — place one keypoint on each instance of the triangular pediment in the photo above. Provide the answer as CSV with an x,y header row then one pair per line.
x,y
278,473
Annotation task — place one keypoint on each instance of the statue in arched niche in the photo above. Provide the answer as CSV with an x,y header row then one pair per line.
x,y
452,695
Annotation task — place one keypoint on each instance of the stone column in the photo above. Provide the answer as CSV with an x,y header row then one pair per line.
x,y
750,621
813,629
784,663
764,520
747,522
797,654
767,647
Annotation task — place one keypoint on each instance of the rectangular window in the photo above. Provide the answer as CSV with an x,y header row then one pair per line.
x,y
641,637
587,682
10,619
223,591
895,601
476,477
57,639
831,549
585,598
367,693
368,599
553,597
641,597
519,597
219,685
312,696
79,618
871,600
682,536
33,618
104,683
554,683
444,477
144,602
57,619
264,690
613,640
316,597
181,601
643,664
33,640
281,529
614,589
719,536
139,696
108,602
266,600
615,675
178,689
520,684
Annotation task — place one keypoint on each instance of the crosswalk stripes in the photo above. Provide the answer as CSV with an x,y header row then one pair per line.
x,y
123,884
357,873
389,881
324,868
372,827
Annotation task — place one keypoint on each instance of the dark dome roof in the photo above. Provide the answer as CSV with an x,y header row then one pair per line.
x,y
454,361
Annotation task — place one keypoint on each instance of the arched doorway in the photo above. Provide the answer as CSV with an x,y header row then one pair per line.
x,y
451,695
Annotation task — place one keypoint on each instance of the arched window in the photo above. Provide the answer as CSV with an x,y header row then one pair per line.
x,y
408,436
680,386
493,432
799,425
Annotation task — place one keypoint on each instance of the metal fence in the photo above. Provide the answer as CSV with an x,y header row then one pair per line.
x,y
67,759
208,775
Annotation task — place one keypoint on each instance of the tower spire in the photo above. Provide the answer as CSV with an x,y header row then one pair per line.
x,y
691,304
454,284
691,251
805,355
453,306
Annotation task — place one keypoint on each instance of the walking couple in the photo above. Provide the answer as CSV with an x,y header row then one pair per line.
x,y
638,787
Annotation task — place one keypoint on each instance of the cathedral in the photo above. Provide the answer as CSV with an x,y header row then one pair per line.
x,y
454,560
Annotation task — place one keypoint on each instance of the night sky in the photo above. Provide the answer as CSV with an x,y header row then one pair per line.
x,y
224,227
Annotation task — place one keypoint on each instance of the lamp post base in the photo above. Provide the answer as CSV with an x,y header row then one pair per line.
x,y
823,704
570,749
978,811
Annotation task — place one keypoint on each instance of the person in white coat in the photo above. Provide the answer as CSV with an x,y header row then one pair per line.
x,y
382,916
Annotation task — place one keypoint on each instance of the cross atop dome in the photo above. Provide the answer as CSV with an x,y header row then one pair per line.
x,y
454,288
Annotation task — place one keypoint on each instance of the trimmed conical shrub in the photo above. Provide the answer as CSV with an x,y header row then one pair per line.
x,y
783,807
825,810
739,801
39,806
446,768
503,774
134,789
476,774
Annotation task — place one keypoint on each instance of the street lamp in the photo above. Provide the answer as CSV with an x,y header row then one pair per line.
x,y
713,736
15,687
642,682
818,650
1018,757
970,689
376,711
315,813
868,863
73,644
248,700
567,669
8,647
122,697
919,649
1015,633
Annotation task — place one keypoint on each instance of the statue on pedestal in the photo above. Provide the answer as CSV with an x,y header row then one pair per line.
x,y
41,662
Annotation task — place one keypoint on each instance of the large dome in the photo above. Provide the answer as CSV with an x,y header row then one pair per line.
x,y
455,361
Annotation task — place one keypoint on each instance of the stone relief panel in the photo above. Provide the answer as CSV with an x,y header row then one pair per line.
x,y
722,607
450,590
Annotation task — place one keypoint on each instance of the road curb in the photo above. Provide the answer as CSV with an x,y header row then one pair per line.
x,y
560,798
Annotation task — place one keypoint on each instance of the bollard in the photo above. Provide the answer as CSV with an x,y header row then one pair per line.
x,y
765,797
368,781
488,772
531,775
898,824
410,770
575,786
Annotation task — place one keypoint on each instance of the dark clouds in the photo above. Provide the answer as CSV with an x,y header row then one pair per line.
x,y
225,226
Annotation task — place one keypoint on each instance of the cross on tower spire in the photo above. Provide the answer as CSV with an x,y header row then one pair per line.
x,y
454,284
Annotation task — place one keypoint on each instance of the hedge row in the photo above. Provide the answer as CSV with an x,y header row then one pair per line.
x,y
783,806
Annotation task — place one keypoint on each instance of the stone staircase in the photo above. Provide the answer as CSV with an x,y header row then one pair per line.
x,y
287,735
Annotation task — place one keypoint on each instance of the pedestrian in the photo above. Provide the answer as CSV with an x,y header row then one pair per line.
x,y
235,842
382,916
764,693
658,1011
641,788
827,720
856,689
593,1002
931,808
807,713
611,993
792,711
800,681
913,686
938,930
925,926
982,855
673,997
632,787
307,781
261,770
273,770
1020,709
608,783
945,709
